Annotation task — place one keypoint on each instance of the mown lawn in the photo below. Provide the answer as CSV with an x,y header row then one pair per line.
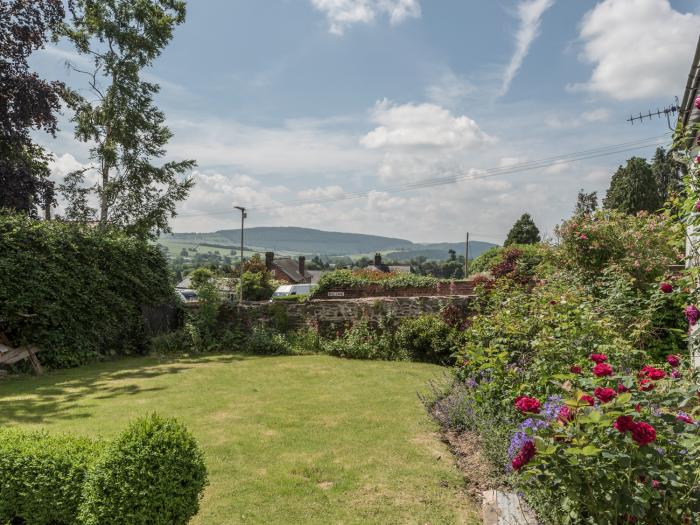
x,y
310,439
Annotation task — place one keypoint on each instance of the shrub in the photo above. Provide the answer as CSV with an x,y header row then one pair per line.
x,y
364,341
360,278
631,455
642,245
263,341
42,476
152,474
257,286
485,260
76,291
427,338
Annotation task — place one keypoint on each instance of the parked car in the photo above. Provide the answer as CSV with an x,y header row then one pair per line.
x,y
187,295
292,289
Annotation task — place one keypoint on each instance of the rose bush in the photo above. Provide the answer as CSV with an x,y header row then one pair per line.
x,y
625,457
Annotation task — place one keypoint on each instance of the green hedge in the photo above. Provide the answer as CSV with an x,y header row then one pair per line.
x,y
153,473
76,291
41,476
350,279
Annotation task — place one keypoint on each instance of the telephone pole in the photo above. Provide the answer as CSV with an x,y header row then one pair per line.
x,y
240,273
466,257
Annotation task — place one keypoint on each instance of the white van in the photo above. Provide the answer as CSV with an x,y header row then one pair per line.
x,y
292,289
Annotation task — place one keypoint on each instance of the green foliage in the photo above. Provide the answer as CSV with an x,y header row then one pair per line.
x,y
523,231
668,173
359,279
121,38
633,188
263,341
152,474
76,291
486,260
43,476
642,245
586,203
427,338
585,461
257,286
364,341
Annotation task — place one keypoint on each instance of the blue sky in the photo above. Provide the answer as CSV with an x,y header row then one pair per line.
x,y
283,101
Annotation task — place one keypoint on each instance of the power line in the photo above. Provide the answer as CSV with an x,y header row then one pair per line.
x,y
566,158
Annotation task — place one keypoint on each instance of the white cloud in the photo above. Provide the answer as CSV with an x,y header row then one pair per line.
x,y
422,125
529,16
568,121
449,89
639,48
344,13
596,115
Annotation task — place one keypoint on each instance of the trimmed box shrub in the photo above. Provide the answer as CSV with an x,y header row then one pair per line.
x,y
152,474
42,476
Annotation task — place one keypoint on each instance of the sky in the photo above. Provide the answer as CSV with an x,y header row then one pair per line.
x,y
425,112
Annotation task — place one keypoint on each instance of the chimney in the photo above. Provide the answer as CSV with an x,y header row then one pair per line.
x,y
302,265
269,258
377,259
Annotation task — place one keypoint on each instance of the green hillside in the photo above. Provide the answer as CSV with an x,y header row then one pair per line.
x,y
307,241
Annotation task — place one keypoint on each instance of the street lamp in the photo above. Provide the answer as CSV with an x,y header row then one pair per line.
x,y
240,279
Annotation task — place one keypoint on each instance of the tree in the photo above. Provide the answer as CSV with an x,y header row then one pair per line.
x,y
668,174
26,102
586,203
452,255
120,119
523,231
633,188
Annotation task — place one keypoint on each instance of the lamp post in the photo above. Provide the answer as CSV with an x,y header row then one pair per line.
x,y
240,279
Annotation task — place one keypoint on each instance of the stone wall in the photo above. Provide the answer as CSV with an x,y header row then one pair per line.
x,y
442,289
336,314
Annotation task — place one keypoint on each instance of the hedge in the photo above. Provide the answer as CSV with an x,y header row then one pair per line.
x,y
358,279
41,476
152,473
76,291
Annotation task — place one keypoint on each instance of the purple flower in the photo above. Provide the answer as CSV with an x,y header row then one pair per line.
x,y
692,314
520,437
550,410
471,382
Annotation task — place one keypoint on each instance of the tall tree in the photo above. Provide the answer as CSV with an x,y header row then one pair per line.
x,y
26,102
523,231
668,174
586,202
120,119
633,188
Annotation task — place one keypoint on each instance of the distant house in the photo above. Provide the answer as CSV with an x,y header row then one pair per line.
x,y
287,269
379,266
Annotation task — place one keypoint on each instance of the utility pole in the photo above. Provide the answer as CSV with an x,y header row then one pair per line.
x,y
240,278
466,257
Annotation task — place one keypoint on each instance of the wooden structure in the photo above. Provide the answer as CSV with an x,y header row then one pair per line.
x,y
9,355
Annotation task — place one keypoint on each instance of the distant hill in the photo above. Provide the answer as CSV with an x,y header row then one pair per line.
x,y
308,241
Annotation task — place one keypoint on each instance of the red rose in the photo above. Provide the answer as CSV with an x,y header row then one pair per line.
x,y
602,369
526,405
673,360
624,424
643,433
637,407
666,287
621,388
685,418
655,483
575,369
523,457
604,394
645,385
588,399
599,358
653,373
565,415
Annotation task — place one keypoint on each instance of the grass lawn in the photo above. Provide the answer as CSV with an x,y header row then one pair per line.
x,y
310,439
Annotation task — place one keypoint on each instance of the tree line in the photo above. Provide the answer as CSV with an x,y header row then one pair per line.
x,y
638,185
